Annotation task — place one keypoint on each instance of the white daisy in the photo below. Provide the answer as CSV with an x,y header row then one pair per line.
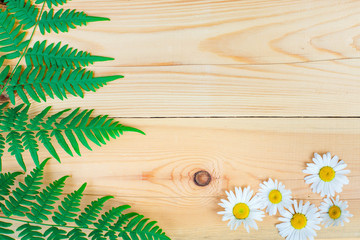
x,y
327,175
274,196
241,207
333,212
299,222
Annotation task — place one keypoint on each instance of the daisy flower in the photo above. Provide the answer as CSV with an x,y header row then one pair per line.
x,y
241,207
333,212
327,175
299,222
274,196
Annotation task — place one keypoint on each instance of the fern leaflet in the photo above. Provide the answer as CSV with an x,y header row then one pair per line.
x,y
60,56
62,20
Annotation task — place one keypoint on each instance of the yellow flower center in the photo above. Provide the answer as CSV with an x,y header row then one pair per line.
x,y
334,212
241,211
298,221
275,196
326,174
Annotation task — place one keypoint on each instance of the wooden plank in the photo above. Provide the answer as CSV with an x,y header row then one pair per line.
x,y
169,32
247,58
308,89
154,173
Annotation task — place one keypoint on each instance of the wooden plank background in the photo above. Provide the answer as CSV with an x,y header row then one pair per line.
x,y
245,90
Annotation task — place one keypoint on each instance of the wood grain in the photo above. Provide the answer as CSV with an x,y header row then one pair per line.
x,y
308,89
223,58
200,73
168,32
154,173
231,58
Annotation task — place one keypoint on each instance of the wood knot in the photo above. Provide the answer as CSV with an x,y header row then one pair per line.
x,y
202,178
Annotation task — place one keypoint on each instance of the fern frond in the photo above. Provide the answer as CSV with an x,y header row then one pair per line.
x,y
61,21
122,220
69,207
140,228
60,56
5,231
6,182
11,37
45,200
109,217
91,212
91,223
55,233
105,221
20,198
77,127
76,234
36,82
50,3
5,72
23,11
28,232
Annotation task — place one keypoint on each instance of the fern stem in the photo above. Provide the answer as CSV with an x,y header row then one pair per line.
x,y
45,224
27,47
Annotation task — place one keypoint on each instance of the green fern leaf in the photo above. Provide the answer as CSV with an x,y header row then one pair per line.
x,y
69,207
91,212
39,81
140,228
112,235
76,234
23,133
50,3
5,230
122,220
16,148
11,37
105,221
2,147
45,200
109,217
6,182
29,232
30,144
23,11
5,72
61,20
97,234
14,121
59,56
55,233
90,223
21,197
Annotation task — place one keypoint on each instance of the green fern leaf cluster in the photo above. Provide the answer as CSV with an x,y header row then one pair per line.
x,y
52,70
11,36
38,203
78,127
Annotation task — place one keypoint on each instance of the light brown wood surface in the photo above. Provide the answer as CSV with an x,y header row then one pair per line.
x,y
245,90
